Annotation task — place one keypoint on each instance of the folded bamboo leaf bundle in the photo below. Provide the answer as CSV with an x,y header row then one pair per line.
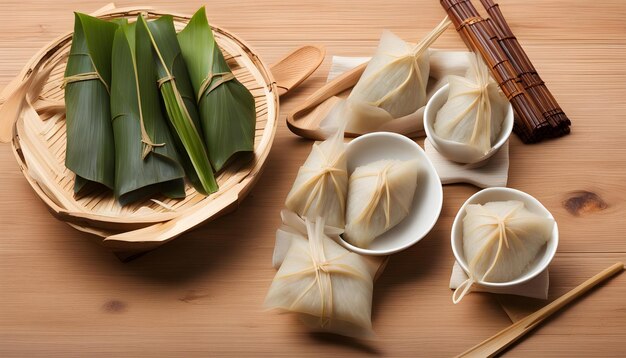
x,y
120,77
178,97
90,151
146,161
227,108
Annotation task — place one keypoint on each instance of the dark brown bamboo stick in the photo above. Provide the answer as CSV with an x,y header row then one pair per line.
x,y
526,71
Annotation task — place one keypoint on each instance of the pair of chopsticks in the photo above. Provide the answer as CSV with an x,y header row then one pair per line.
x,y
510,335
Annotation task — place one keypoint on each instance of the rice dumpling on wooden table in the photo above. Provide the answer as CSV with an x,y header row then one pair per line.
x,y
61,294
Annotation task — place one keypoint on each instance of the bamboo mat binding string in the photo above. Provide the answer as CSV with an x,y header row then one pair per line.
x,y
538,114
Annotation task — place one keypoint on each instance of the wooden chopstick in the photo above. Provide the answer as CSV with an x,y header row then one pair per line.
x,y
508,336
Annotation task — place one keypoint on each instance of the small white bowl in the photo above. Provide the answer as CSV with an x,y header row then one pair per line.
x,y
484,196
428,198
455,151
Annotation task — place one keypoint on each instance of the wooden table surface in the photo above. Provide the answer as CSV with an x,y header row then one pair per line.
x,y
62,295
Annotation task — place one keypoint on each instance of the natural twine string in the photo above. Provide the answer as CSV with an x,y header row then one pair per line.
x,y
87,76
162,81
206,87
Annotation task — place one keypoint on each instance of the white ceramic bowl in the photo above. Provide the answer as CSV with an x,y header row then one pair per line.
x,y
428,197
455,151
544,257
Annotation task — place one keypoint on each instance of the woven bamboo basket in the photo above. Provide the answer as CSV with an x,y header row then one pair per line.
x,y
38,139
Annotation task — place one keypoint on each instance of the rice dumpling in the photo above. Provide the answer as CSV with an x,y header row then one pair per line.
x,y
329,287
321,187
392,91
227,108
177,93
90,151
146,161
380,196
474,111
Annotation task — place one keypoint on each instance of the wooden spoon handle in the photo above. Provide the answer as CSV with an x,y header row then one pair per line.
x,y
332,88
508,336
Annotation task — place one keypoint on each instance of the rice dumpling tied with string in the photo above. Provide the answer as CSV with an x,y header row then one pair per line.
x,y
475,109
329,287
178,97
380,196
227,108
500,240
146,161
321,186
392,91
90,148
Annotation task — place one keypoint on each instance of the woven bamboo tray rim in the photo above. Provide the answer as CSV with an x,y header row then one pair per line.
x,y
39,140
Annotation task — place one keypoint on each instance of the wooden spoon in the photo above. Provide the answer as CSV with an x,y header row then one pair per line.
x,y
297,66
305,119
508,336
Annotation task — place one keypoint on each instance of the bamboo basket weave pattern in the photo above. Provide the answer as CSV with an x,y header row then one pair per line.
x,y
39,143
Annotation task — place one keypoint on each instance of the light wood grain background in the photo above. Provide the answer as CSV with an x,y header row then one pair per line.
x,y
61,295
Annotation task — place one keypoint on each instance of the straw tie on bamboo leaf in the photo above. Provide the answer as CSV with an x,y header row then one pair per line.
x,y
85,76
180,104
146,161
90,150
227,108
208,85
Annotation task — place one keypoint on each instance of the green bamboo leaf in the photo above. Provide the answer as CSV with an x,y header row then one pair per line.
x,y
90,151
180,106
146,161
227,108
